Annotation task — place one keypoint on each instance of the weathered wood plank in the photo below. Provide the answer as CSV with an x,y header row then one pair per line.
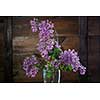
x,y
8,68
83,30
94,48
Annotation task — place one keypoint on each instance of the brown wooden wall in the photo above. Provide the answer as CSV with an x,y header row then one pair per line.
x,y
68,28
94,48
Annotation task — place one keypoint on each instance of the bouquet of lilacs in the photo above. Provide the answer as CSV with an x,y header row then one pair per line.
x,y
51,55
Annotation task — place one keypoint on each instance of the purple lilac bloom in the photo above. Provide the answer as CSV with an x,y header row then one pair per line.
x,y
57,45
56,63
82,70
32,72
46,28
71,57
29,66
46,38
34,25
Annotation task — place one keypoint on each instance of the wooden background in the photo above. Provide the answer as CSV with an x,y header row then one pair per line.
x,y
79,33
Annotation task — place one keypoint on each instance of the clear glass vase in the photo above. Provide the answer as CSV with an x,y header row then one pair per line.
x,y
55,78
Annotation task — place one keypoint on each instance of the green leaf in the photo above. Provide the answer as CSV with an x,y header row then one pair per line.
x,y
53,57
49,74
62,67
65,68
69,68
37,65
54,53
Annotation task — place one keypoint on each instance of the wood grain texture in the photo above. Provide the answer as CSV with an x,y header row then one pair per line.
x,y
94,48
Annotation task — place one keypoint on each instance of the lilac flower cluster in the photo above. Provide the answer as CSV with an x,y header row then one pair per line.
x,y
29,66
46,29
46,38
70,57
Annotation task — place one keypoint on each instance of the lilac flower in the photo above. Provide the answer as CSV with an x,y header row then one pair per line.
x,y
34,25
29,66
70,57
82,70
32,72
45,55
46,38
50,44
55,63
46,28
57,45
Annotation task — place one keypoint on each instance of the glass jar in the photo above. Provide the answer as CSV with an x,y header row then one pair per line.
x,y
54,78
